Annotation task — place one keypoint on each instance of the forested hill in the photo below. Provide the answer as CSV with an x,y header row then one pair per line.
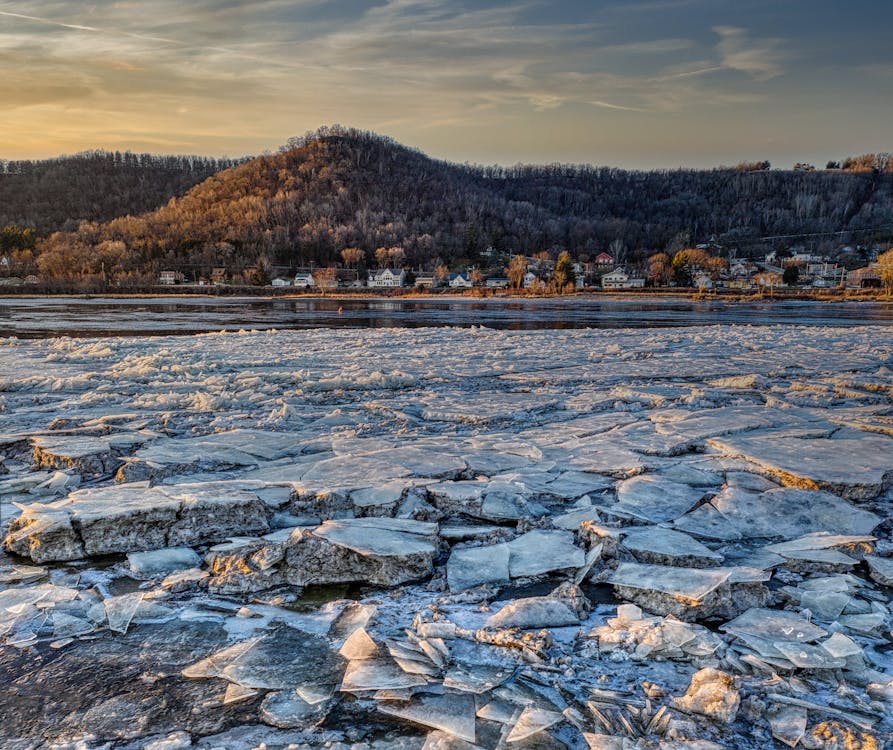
x,y
341,188
51,194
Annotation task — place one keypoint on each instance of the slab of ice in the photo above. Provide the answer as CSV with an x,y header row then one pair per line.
x,y
135,517
654,499
359,646
385,551
655,544
692,584
774,625
881,569
538,552
162,560
120,610
782,512
284,659
378,674
453,713
534,612
472,566
855,468
532,721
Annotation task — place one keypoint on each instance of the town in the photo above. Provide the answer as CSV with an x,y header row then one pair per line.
x,y
704,267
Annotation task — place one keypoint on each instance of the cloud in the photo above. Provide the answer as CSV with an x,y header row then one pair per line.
x,y
759,59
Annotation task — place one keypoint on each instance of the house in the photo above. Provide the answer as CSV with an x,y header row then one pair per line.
x,y
169,278
604,260
279,281
868,277
620,279
31,279
703,281
529,280
424,279
460,281
497,282
218,276
388,278
304,280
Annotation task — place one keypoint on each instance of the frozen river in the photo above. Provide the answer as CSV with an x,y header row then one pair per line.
x,y
445,538
38,318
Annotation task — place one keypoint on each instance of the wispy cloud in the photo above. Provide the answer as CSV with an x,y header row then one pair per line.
x,y
758,58
240,75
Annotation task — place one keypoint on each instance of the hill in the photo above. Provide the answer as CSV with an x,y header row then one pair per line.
x,y
52,194
340,188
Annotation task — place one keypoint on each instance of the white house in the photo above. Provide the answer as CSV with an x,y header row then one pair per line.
x,y
703,281
279,281
620,279
497,282
304,280
461,281
424,279
529,279
169,278
387,278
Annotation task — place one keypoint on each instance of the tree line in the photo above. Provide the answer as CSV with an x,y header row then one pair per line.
x,y
339,189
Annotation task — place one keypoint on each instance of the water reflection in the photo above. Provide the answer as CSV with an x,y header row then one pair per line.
x,y
30,318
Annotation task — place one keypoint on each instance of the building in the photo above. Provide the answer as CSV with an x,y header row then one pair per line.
x,y
218,276
279,281
868,277
169,278
604,260
424,279
497,282
620,279
529,280
304,280
703,281
460,281
387,278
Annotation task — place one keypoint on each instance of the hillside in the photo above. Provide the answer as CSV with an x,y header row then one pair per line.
x,y
52,194
342,188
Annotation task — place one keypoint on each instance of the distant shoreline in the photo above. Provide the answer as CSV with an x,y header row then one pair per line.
x,y
478,295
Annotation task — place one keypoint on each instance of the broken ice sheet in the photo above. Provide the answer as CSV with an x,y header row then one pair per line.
x,y
119,610
453,713
378,674
654,499
284,658
532,721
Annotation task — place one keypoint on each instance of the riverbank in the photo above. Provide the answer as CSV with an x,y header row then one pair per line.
x,y
477,295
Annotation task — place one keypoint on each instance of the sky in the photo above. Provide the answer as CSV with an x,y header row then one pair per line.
x,y
642,83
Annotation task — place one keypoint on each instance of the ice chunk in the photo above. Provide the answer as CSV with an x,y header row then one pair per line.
x,y
531,721
783,512
378,674
162,560
654,499
283,659
881,569
655,544
538,552
384,551
788,723
774,625
359,646
534,612
856,468
119,610
286,709
472,566
453,713
712,693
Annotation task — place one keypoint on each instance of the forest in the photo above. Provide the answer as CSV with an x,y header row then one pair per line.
x,y
123,218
